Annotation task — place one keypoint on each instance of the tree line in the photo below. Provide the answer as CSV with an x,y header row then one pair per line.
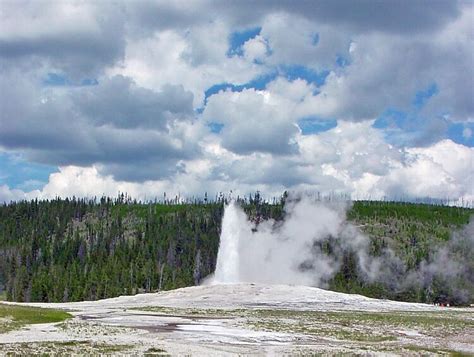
x,y
85,249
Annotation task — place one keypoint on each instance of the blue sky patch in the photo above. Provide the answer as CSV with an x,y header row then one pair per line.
x,y
238,38
55,79
462,133
215,127
59,80
199,110
422,96
411,129
259,83
292,72
342,61
89,82
314,125
16,172
391,118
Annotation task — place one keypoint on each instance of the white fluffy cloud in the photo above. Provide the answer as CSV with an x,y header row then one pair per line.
x,y
253,121
444,170
387,72
256,49
340,160
142,127
294,39
196,59
262,120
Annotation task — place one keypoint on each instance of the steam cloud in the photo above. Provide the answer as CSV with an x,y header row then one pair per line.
x,y
309,245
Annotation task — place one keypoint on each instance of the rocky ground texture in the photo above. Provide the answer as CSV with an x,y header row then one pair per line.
x,y
247,319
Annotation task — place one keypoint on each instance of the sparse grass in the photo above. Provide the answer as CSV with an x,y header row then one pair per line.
x,y
62,348
423,349
195,313
155,351
13,316
352,325
359,330
356,326
328,331
78,329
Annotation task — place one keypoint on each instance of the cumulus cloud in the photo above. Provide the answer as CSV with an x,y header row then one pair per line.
x,y
339,160
253,121
361,16
196,60
120,102
444,170
135,133
80,39
8,195
256,49
387,72
130,105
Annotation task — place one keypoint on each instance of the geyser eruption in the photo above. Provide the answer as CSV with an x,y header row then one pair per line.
x,y
279,252
314,242
227,269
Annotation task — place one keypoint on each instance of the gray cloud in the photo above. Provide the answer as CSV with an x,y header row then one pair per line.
x,y
121,103
263,169
366,15
252,122
146,17
135,126
387,72
78,40
134,130
83,39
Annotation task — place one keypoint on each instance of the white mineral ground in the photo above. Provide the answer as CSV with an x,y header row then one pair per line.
x,y
118,321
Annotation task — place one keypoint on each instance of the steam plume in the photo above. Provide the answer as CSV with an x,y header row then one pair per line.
x,y
308,248
289,251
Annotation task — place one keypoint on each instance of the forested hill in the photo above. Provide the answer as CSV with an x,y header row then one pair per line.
x,y
70,250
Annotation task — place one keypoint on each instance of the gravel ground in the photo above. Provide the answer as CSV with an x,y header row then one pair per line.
x,y
248,319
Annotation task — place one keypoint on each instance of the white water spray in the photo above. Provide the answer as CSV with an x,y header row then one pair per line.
x,y
227,269
276,253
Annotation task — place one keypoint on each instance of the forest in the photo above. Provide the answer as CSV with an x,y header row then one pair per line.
x,y
86,249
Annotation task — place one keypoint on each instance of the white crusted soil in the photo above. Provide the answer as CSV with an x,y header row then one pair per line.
x,y
252,319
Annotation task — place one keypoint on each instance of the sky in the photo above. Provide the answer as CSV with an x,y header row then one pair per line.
x,y
371,99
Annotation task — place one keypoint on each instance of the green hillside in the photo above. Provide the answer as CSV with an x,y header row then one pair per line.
x,y
71,250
